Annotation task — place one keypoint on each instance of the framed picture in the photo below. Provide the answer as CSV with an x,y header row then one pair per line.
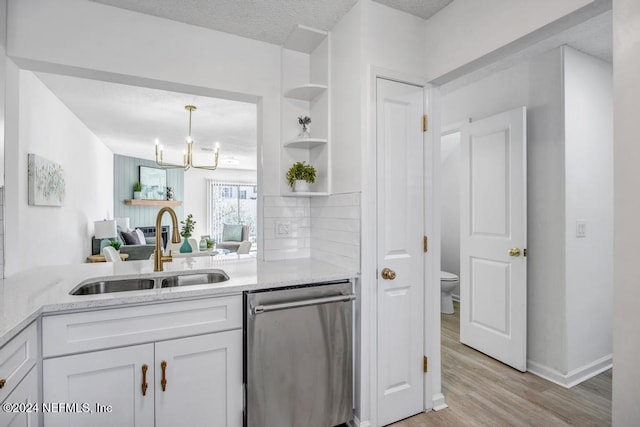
x,y
45,181
154,183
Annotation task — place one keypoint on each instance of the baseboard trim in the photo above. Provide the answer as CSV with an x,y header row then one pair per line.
x,y
438,402
355,422
575,376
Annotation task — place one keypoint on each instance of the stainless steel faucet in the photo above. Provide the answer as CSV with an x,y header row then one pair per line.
x,y
158,258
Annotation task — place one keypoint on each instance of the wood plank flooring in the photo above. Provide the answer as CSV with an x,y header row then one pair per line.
x,y
481,391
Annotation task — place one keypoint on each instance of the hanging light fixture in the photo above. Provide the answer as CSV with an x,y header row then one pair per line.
x,y
188,153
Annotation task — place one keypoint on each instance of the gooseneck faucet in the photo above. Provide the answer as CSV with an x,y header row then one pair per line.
x,y
158,258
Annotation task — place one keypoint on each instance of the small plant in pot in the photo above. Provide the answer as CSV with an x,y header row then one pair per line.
x,y
300,175
137,190
187,230
115,244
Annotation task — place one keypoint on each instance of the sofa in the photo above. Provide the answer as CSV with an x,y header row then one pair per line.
x,y
136,251
232,237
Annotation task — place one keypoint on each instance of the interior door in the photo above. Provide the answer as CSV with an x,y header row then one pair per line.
x,y
400,257
493,224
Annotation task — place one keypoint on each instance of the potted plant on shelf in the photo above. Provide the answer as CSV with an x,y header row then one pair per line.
x,y
137,190
300,175
305,122
187,230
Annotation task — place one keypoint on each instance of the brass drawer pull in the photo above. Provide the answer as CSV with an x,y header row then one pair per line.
x,y
144,380
2,382
163,382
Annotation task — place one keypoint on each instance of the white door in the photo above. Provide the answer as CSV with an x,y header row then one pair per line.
x,y
203,381
493,225
400,228
109,377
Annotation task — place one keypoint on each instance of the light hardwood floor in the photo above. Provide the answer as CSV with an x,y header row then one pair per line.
x,y
481,391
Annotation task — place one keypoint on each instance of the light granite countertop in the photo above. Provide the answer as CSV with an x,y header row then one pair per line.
x,y
45,290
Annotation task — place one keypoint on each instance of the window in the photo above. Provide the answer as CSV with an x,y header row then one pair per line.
x,y
232,204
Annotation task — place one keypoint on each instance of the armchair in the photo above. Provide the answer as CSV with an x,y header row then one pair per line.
x,y
232,236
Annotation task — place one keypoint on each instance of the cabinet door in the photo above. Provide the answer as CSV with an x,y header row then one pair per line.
x,y
25,393
78,384
203,381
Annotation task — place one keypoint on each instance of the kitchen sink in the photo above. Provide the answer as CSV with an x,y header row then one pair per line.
x,y
122,285
194,279
117,285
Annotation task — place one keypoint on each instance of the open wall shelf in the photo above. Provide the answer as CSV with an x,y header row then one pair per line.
x,y
305,142
306,92
145,202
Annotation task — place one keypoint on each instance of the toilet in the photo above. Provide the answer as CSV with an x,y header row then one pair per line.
x,y
448,282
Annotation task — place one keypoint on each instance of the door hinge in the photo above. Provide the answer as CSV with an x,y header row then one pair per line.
x,y
425,243
524,252
425,364
425,123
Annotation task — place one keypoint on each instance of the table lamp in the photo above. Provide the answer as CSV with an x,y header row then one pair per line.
x,y
105,230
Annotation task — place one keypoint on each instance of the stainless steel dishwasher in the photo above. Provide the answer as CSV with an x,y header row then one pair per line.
x,y
298,356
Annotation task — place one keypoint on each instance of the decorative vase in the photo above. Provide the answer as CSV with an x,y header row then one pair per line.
x,y
186,247
137,195
169,193
305,133
203,244
301,186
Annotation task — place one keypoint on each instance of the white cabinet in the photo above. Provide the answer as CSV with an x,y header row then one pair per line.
x,y
203,381
305,92
24,400
194,380
109,378
19,379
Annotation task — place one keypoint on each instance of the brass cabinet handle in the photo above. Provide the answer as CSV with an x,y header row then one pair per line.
x,y
144,380
514,252
163,382
388,274
2,382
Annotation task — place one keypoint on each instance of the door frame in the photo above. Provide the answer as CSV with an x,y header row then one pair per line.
x,y
367,318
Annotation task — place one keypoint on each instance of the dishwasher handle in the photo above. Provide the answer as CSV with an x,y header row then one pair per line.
x,y
302,303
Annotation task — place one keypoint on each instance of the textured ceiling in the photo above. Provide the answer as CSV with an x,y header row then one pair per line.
x,y
422,8
128,119
267,20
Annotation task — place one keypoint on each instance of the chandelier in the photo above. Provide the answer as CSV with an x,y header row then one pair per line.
x,y
188,153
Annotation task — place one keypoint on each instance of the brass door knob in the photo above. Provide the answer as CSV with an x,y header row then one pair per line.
x,y
388,274
514,252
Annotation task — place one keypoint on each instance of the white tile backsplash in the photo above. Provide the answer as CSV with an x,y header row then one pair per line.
x,y
325,228
335,229
294,210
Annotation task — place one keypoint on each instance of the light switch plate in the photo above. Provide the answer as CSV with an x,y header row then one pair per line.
x,y
283,229
581,228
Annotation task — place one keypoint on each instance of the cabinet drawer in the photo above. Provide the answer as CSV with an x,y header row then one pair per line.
x,y
117,327
17,357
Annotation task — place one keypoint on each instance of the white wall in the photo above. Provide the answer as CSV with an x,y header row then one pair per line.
x,y
588,108
47,128
466,30
195,191
97,41
626,345
568,178
537,85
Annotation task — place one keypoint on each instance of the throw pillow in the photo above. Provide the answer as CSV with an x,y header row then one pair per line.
x,y
130,238
232,233
140,235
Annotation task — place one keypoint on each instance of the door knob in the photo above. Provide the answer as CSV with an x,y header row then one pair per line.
x,y
388,274
514,252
